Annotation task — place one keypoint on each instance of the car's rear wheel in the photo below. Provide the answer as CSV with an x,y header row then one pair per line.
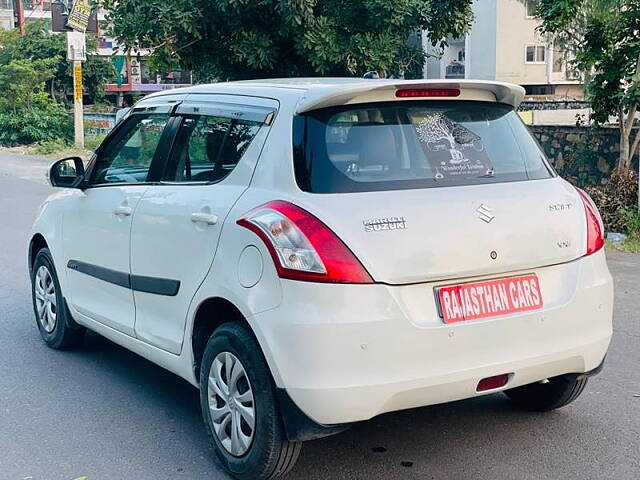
x,y
54,321
548,395
239,407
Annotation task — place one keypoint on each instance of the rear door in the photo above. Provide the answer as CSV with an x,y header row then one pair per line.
x,y
437,190
178,221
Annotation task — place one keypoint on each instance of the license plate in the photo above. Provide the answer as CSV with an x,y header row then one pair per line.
x,y
471,301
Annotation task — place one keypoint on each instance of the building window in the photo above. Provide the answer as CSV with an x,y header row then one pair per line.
x,y
530,8
539,89
535,54
558,61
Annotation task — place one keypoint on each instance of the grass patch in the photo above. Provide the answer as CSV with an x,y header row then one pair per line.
x,y
57,149
630,245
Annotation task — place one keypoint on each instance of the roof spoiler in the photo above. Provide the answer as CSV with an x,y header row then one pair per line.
x,y
385,91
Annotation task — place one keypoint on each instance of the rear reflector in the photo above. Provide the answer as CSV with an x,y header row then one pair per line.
x,y
491,383
595,227
427,92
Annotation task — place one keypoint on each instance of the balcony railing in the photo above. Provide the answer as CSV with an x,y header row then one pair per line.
x,y
455,71
6,4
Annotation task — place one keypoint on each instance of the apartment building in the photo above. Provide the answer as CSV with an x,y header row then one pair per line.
x,y
503,44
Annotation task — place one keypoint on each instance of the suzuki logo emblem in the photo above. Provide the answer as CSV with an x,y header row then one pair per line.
x,y
484,213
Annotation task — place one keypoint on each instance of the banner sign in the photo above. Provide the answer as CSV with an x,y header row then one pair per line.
x,y
77,82
79,15
76,46
98,123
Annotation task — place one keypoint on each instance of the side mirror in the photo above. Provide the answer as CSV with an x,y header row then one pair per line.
x,y
67,173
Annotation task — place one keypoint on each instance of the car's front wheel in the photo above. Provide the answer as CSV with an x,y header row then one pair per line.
x,y
239,407
548,395
54,321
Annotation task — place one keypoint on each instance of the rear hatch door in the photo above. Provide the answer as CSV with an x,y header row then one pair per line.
x,y
437,189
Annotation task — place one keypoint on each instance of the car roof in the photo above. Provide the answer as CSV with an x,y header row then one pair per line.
x,y
313,93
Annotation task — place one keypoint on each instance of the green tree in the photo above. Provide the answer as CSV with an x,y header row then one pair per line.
x,y
602,37
39,43
22,80
237,39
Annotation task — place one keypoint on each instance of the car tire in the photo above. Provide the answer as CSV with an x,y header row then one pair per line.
x,y
543,397
268,453
57,328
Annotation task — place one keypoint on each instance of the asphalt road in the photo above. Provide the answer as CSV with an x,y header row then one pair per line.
x,y
107,414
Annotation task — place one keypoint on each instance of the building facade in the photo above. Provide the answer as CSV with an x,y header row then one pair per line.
x,y
6,14
503,44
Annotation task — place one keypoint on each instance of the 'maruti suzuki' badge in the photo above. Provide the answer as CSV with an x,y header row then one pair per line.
x,y
390,223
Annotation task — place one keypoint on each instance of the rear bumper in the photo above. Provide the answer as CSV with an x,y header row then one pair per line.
x,y
346,353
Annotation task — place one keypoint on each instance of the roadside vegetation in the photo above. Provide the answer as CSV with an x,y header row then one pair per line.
x,y
36,86
57,148
600,40
632,242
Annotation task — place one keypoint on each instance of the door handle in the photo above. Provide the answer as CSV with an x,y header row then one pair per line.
x,y
207,218
123,211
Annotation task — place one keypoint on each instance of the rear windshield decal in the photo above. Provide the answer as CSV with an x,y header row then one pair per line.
x,y
451,149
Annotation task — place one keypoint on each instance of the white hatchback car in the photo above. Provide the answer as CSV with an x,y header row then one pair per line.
x,y
315,252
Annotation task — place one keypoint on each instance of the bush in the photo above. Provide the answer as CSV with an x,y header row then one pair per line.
x,y
93,142
47,147
44,120
632,218
616,199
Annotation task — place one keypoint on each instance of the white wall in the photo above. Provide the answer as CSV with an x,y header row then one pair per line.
x,y
6,18
481,45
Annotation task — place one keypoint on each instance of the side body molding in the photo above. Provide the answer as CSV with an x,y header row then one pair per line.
x,y
139,283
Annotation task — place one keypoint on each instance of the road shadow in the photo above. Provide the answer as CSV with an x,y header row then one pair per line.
x,y
485,437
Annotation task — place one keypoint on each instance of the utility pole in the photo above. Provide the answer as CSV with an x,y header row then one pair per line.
x,y
76,52
20,14
78,107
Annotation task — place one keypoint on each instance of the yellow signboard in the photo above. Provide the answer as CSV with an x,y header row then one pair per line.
x,y
79,15
77,81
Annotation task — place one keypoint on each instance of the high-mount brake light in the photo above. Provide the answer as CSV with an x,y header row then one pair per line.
x,y
595,227
427,92
302,247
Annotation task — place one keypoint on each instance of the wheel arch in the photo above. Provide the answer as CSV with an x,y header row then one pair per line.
x,y
37,243
210,315
216,311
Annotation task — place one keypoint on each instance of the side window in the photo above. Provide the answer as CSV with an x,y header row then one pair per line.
x,y
128,157
209,148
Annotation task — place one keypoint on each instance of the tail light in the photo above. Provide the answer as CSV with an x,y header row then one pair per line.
x,y
595,227
302,247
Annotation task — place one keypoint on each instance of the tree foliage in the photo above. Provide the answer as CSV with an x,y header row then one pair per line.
x,y
22,80
603,36
40,45
35,79
237,39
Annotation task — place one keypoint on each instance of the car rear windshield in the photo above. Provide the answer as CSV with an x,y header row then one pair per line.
x,y
407,145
